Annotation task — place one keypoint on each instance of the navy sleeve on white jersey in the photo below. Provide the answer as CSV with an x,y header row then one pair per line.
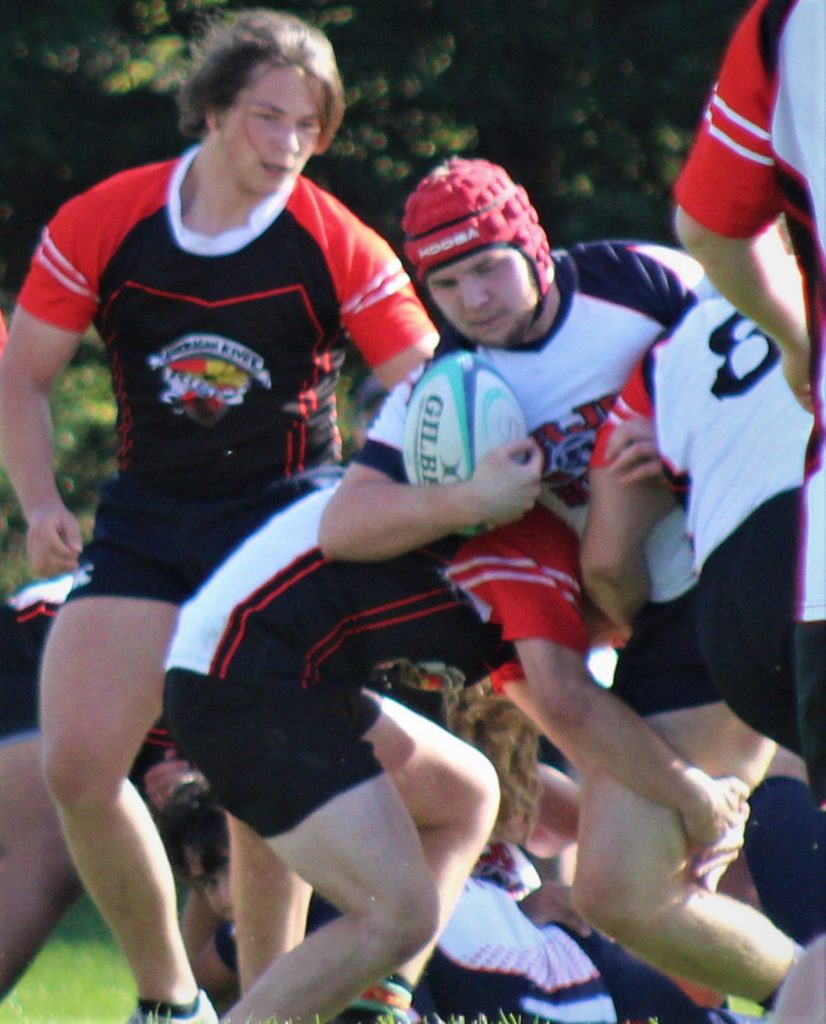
x,y
655,280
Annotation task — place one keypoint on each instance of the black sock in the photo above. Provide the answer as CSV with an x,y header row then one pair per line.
x,y
165,1010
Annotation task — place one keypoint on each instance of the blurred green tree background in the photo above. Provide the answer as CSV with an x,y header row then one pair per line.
x,y
590,104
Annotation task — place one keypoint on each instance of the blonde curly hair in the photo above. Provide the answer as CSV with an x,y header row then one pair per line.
x,y
510,740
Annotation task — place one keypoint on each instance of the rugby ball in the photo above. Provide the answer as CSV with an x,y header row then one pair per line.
x,y
459,409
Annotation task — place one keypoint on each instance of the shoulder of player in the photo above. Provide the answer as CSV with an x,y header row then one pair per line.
x,y
321,213
656,281
598,264
89,229
84,236
137,190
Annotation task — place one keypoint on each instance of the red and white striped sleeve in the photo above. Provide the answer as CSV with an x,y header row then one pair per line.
x,y
728,183
526,575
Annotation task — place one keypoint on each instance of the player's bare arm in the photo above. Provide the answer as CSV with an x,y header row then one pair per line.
x,y
372,516
599,733
627,498
35,355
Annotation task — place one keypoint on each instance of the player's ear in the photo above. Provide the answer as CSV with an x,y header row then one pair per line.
x,y
213,119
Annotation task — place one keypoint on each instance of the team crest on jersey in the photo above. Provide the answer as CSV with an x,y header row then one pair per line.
x,y
509,868
432,676
567,446
206,374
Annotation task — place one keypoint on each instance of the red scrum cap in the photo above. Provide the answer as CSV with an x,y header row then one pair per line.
x,y
465,205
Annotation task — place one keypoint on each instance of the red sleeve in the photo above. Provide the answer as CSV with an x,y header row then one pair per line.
x,y
4,334
728,183
502,677
62,285
633,400
379,305
527,575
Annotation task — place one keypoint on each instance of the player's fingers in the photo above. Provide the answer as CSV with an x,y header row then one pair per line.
x,y
640,461
629,432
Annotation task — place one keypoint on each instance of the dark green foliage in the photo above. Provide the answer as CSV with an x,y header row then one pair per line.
x,y
84,444
590,104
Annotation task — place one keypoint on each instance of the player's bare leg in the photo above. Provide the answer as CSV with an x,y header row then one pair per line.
x,y
102,685
634,872
451,791
269,902
395,884
38,881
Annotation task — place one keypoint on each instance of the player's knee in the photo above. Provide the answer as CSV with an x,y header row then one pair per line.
x,y
474,795
405,921
74,779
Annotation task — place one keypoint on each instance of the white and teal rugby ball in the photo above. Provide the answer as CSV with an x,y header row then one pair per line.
x,y
459,410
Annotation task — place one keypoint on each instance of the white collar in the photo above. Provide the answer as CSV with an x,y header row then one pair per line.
x,y
260,217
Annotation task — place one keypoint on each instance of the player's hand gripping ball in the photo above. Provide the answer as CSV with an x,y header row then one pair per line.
x,y
460,409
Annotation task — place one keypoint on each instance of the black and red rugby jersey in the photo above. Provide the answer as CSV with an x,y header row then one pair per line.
x,y
224,365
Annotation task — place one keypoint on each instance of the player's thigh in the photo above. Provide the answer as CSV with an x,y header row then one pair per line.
x,y
630,848
437,775
712,737
358,849
102,680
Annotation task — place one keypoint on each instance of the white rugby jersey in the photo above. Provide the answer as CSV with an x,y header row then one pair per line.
x,y
616,299
727,423
761,151
541,971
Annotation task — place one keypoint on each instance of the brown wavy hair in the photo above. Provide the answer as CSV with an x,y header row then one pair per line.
x,y
510,741
231,47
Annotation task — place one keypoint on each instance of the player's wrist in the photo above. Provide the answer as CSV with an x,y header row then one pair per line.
x,y
468,510
695,803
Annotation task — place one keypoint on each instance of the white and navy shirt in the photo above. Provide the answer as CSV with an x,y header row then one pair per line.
x,y
728,427
616,298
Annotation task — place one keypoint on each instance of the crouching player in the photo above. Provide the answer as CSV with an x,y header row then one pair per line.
x,y
381,811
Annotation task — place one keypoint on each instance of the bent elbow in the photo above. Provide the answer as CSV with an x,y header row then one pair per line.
x,y
330,543
604,584
691,234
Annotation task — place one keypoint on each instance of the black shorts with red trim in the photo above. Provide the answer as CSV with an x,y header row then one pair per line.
x,y
277,725
272,753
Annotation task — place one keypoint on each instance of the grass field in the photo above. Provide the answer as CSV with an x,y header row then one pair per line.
x,y
80,977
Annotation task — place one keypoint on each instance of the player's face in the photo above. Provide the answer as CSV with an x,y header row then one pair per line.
x,y
271,131
214,885
489,296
